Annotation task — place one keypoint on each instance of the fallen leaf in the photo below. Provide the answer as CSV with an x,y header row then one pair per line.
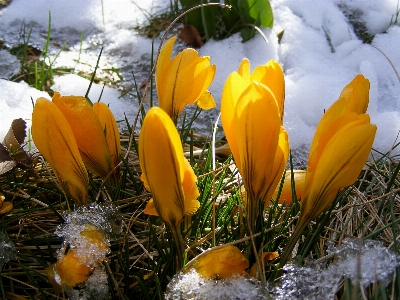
x,y
190,36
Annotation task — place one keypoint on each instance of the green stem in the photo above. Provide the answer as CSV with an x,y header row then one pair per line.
x,y
290,245
180,247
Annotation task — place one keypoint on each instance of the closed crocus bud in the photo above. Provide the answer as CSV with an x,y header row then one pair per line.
x,y
166,173
55,140
88,132
341,145
252,121
183,80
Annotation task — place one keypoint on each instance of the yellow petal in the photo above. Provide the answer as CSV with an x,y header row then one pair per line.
x,y
71,270
182,80
55,140
190,189
286,192
150,209
163,163
267,256
257,128
6,207
272,76
110,127
280,160
244,69
88,133
234,87
52,276
163,60
206,101
339,165
219,263
353,99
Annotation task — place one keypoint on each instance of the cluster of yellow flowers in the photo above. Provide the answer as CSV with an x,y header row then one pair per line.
x,y
71,133
252,109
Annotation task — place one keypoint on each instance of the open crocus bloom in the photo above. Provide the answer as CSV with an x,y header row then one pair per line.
x,y
252,121
341,145
166,172
55,140
183,80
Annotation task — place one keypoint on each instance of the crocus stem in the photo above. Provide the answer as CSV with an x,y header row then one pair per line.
x,y
290,245
180,247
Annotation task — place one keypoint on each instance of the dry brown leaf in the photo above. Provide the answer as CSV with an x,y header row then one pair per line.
x,y
190,36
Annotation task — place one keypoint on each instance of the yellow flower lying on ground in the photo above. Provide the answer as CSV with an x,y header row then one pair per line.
x,y
220,263
252,120
286,192
78,263
341,145
55,140
183,80
5,206
166,172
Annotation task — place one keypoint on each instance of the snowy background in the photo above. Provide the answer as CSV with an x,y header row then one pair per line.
x,y
315,70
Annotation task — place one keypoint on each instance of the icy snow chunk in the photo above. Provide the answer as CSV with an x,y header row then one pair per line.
x,y
366,261
7,250
192,286
9,65
96,287
361,261
103,217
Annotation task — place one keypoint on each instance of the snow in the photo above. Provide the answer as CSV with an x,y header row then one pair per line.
x,y
315,70
362,261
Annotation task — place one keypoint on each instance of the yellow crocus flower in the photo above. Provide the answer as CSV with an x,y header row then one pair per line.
x,y
183,80
251,118
88,132
166,172
55,140
299,177
341,145
110,128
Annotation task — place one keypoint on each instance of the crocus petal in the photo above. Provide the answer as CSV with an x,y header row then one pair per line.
x,y
55,140
6,207
354,98
206,101
182,80
257,127
190,189
110,127
219,263
286,192
339,165
272,76
71,270
88,133
234,87
280,160
163,163
150,209
244,69
163,60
